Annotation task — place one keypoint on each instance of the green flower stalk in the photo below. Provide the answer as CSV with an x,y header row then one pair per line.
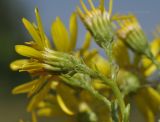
x,y
84,81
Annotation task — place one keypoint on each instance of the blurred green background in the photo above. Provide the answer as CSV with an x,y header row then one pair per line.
x,y
12,32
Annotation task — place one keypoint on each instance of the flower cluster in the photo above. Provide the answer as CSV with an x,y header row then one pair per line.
x,y
79,85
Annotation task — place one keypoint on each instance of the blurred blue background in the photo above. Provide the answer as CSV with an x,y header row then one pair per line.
x,y
12,32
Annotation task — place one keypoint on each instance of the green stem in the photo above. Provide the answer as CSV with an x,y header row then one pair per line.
x,y
114,71
100,97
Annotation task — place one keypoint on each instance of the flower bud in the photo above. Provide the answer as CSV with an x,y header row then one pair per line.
x,y
132,34
97,21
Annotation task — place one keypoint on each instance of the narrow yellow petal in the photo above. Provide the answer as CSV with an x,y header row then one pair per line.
x,y
24,88
155,46
73,31
67,99
44,41
150,70
152,97
38,97
80,13
63,106
33,32
120,53
110,7
40,27
87,41
16,65
100,64
60,35
88,55
50,112
144,108
91,4
37,86
34,117
84,6
28,51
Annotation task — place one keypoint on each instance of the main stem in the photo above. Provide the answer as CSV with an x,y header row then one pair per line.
x,y
114,71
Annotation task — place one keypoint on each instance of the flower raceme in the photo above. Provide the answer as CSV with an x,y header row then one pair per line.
x,y
76,84
46,65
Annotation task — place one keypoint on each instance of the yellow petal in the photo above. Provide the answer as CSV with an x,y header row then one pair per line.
x,y
63,106
155,46
73,31
89,55
110,7
120,53
50,108
34,117
100,64
150,68
24,88
33,32
16,65
60,35
28,51
87,41
67,99
38,97
152,97
84,6
50,112
144,108
44,41
37,85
